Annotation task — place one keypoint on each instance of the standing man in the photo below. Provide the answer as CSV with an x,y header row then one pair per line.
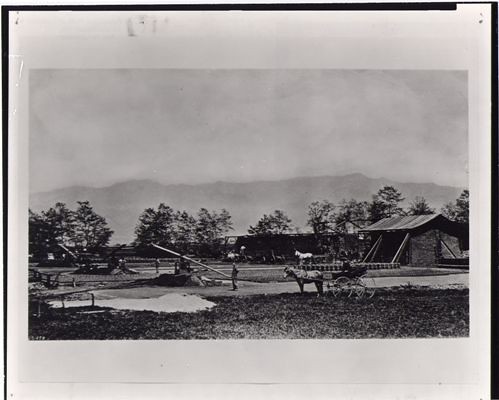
x,y
235,271
122,264
156,265
184,265
345,266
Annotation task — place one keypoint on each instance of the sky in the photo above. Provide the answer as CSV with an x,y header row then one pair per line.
x,y
99,127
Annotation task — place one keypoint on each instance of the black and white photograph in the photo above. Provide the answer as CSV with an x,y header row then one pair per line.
x,y
216,196
251,204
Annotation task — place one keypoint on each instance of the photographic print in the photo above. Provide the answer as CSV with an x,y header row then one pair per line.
x,y
293,203
248,204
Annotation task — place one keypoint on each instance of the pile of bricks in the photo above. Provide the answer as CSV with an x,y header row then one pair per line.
x,y
338,266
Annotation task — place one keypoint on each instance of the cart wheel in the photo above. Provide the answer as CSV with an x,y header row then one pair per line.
x,y
358,288
341,286
329,287
369,285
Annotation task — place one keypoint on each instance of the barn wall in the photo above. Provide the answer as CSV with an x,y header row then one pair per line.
x,y
423,249
452,242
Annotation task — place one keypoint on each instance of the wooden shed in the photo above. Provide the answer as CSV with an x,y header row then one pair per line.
x,y
418,240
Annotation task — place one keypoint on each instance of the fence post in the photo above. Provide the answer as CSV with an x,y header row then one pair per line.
x,y
93,299
62,301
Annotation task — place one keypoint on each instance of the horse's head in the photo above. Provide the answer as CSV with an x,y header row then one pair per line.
x,y
297,253
287,272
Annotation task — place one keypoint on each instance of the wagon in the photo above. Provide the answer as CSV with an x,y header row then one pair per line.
x,y
352,282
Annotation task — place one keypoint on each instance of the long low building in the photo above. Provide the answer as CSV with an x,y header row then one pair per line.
x,y
419,240
285,245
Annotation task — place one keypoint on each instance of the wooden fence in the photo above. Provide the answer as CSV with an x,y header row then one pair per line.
x,y
39,300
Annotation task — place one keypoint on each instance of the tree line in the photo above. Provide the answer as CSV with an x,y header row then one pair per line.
x,y
82,228
201,233
85,230
325,216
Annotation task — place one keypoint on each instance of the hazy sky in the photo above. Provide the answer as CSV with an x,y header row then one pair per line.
x,y
98,127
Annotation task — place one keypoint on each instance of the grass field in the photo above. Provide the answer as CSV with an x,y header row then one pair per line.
x,y
392,313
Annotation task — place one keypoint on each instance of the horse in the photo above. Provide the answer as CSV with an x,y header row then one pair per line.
x,y
302,257
231,256
303,277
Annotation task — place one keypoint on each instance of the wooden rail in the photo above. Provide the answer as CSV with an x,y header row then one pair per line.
x,y
61,297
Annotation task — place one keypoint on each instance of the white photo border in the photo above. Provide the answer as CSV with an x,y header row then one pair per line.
x,y
425,368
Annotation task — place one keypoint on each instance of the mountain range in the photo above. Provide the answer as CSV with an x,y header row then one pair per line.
x,y
122,203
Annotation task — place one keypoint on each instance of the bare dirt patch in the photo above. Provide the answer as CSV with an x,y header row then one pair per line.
x,y
170,302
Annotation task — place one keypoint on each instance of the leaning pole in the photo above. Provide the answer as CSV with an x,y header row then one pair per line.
x,y
190,259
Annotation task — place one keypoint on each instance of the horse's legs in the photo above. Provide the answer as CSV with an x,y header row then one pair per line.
x,y
319,287
301,286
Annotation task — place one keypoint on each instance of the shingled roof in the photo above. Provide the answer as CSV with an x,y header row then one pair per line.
x,y
401,223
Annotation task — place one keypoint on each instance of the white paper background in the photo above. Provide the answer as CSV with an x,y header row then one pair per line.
x,y
424,368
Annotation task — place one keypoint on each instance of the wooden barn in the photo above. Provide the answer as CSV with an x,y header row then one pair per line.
x,y
419,241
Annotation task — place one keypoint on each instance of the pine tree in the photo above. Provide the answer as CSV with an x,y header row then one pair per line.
x,y
420,207
458,211
385,204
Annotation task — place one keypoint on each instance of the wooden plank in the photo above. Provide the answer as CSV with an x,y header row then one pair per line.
x,y
401,248
377,248
192,260
67,250
448,248
373,248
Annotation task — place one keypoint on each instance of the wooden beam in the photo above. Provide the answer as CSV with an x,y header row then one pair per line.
x,y
401,248
377,248
373,248
448,248
190,259
67,250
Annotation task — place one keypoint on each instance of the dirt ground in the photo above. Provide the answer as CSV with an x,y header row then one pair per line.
x,y
251,288
121,295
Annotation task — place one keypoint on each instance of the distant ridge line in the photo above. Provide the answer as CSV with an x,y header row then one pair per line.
x,y
155,182
122,203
